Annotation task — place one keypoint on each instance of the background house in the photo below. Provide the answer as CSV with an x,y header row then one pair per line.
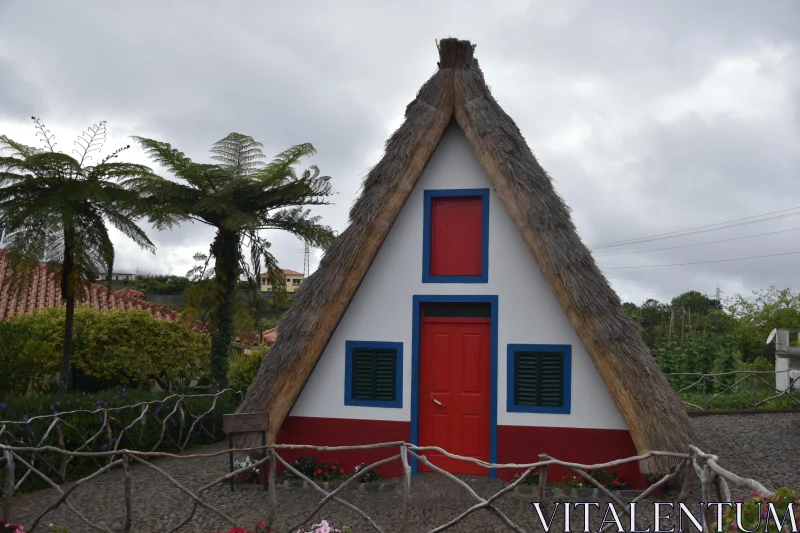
x,y
787,359
116,276
293,281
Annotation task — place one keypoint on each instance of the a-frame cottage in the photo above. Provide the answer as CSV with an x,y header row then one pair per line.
x,y
460,309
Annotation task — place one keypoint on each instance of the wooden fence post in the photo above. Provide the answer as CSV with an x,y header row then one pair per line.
x,y
128,503
406,487
8,490
273,495
705,405
542,477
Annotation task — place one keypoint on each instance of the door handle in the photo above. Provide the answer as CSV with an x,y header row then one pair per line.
x,y
437,402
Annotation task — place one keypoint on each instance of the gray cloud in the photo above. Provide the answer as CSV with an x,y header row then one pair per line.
x,y
651,118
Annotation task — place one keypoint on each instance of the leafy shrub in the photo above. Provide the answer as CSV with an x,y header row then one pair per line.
x,y
370,477
243,369
306,465
532,479
120,346
610,480
330,471
248,476
756,515
22,359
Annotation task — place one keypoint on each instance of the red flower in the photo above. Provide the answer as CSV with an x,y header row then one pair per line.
x,y
261,523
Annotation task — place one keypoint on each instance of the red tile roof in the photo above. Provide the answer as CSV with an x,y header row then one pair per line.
x,y
286,272
44,292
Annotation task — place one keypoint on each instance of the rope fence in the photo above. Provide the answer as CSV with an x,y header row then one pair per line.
x,y
695,465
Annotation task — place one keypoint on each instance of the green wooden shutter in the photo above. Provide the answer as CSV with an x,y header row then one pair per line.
x,y
374,374
551,379
363,374
539,379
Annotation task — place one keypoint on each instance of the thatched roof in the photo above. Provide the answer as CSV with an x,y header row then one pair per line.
x,y
653,412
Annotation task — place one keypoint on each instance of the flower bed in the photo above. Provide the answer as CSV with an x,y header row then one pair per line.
x,y
8,527
325,472
756,515
609,480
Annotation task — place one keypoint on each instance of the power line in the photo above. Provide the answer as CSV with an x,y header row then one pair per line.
x,y
699,243
701,229
703,262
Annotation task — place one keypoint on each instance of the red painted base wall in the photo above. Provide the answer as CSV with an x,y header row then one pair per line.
x,y
520,444
515,444
345,432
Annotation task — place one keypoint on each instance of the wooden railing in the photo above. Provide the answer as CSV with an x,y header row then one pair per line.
x,y
694,464
174,421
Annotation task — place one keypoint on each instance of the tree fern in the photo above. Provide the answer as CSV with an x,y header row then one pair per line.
x,y
241,197
54,208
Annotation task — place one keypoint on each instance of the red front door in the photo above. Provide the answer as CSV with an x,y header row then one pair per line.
x,y
454,387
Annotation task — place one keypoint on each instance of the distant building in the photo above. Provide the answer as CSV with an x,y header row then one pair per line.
x,y
787,359
293,281
115,276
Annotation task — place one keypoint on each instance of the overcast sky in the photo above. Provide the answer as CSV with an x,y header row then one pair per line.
x,y
652,117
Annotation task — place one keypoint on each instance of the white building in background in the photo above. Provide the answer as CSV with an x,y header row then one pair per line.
x,y
116,276
787,358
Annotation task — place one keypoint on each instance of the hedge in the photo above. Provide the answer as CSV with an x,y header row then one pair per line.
x,y
118,346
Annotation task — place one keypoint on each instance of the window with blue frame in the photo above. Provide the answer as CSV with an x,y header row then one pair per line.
x,y
373,374
539,378
456,236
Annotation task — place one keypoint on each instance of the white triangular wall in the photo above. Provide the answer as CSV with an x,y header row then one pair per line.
x,y
528,310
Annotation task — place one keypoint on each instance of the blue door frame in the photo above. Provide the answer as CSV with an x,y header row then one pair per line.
x,y
418,300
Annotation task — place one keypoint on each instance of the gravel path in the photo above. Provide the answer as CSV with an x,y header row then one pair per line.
x,y
759,446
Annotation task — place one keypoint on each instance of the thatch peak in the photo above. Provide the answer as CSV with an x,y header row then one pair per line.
x,y
454,53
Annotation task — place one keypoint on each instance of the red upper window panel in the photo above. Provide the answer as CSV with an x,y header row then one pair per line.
x,y
456,236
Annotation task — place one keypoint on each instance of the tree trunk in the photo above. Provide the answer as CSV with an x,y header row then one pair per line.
x,y
226,268
65,378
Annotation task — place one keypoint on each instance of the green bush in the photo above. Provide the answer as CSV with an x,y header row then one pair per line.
x,y
22,359
118,346
243,369
756,516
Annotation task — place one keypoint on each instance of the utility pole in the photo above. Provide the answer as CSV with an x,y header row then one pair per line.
x,y
307,261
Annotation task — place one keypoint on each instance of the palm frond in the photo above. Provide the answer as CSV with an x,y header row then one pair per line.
x,y
17,149
299,222
165,155
282,167
52,161
128,227
118,171
90,141
239,152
